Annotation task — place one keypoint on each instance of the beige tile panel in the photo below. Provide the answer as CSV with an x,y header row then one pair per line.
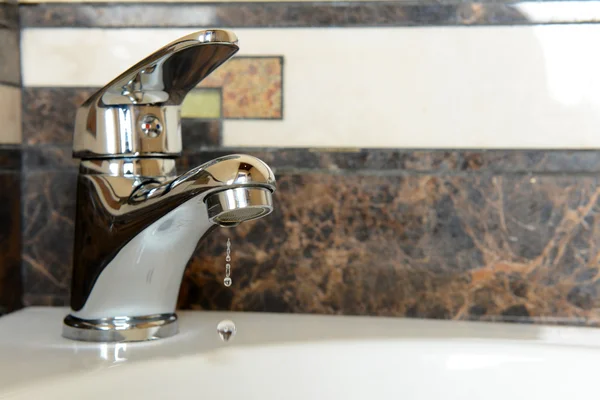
x,y
442,87
10,114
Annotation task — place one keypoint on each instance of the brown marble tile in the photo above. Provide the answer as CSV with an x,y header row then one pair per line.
x,y
48,212
493,247
49,114
199,134
49,157
294,14
10,158
10,242
507,248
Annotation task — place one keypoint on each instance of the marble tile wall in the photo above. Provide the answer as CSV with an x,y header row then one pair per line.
x,y
506,235
492,218
486,235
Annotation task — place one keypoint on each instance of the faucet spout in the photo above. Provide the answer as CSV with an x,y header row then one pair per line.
x,y
136,229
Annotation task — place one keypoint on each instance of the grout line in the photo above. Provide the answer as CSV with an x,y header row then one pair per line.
x,y
291,170
11,84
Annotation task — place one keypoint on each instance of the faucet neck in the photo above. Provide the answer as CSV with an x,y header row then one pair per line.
x,y
128,219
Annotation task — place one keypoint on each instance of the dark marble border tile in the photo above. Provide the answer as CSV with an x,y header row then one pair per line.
x,y
9,15
309,14
49,157
10,158
10,241
10,67
393,161
198,150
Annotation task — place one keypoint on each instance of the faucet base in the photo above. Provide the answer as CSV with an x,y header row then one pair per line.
x,y
120,329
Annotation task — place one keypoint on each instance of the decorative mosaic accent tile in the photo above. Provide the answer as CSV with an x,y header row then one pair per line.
x,y
202,103
252,87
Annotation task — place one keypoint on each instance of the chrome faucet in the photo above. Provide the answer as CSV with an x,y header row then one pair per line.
x,y
138,222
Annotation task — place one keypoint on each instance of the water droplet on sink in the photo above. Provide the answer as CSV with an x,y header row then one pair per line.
x,y
226,330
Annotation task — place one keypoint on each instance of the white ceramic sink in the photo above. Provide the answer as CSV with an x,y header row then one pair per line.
x,y
301,357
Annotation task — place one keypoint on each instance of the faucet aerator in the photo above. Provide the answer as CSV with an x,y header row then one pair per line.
x,y
231,207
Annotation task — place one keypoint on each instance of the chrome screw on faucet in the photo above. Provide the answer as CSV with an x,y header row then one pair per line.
x,y
151,126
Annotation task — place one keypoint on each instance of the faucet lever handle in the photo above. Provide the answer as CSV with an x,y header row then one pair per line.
x,y
138,113
168,74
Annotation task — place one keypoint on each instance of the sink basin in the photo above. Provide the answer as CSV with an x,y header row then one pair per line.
x,y
275,356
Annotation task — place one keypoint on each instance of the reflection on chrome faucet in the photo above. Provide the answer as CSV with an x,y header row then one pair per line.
x,y
138,221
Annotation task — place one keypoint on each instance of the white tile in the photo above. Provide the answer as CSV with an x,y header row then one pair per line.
x,y
558,11
442,87
10,114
